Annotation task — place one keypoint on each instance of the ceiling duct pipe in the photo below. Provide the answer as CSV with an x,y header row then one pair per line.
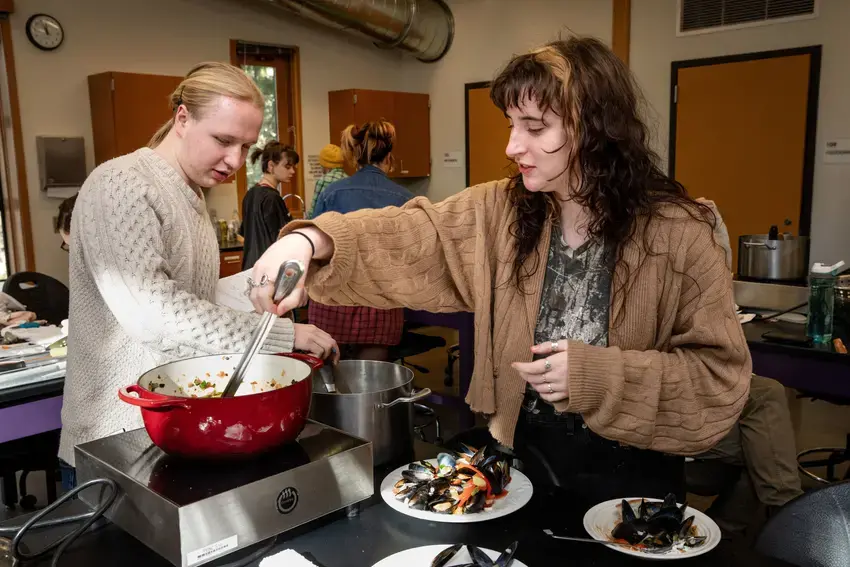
x,y
423,28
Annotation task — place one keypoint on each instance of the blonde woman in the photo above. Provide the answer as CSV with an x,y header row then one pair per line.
x,y
366,333
144,257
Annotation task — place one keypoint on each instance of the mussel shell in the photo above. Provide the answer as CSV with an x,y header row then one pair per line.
x,y
419,499
479,557
663,524
446,460
475,503
628,513
421,467
467,450
444,556
478,457
411,475
443,506
685,528
495,478
507,555
439,485
632,532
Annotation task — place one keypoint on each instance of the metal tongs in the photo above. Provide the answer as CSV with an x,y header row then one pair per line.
x,y
287,278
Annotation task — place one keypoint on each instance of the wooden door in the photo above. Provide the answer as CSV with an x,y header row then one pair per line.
x,y
742,134
282,117
487,133
141,105
412,148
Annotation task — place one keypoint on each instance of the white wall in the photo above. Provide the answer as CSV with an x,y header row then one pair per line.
x,y
487,34
654,45
165,37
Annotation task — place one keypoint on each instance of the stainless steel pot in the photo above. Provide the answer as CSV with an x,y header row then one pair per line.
x,y
786,258
373,400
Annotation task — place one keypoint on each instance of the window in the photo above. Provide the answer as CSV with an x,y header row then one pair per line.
x,y
274,70
266,79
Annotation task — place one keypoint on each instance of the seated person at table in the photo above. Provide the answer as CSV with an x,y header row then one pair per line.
x,y
607,345
363,333
761,443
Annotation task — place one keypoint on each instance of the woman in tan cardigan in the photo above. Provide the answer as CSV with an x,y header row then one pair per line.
x,y
606,339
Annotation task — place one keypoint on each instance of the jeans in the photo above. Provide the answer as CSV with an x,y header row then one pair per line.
x,y
69,476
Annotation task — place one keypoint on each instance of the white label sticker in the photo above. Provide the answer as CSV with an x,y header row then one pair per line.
x,y
212,550
837,151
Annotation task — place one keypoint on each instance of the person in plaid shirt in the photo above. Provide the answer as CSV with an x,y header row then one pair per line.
x,y
363,333
330,158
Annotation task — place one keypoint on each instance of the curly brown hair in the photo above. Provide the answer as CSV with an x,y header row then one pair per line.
x,y
611,167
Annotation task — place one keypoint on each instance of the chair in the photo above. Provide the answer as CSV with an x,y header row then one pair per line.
x,y
34,453
833,456
47,297
413,344
811,530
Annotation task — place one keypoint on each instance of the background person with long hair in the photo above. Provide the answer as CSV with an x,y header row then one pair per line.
x,y
606,340
263,211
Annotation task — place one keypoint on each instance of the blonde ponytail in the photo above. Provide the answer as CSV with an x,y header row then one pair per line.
x,y
201,87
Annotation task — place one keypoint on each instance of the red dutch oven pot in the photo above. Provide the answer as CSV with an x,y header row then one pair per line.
x,y
183,418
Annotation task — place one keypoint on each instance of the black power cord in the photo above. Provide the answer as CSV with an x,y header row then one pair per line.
x,y
61,544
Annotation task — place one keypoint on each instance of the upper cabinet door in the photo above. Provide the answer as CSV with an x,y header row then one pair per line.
x,y
141,107
408,112
413,135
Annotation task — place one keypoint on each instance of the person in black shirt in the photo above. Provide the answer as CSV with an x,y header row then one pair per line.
x,y
263,211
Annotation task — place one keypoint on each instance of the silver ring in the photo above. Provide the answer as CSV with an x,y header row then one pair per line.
x,y
555,346
546,380
252,284
547,366
551,391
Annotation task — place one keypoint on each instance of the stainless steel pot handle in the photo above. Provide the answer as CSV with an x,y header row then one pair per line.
x,y
750,244
423,393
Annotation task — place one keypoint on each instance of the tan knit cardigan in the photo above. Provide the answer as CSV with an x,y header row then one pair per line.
x,y
676,373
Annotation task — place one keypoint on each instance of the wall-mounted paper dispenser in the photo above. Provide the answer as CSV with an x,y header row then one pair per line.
x,y
61,165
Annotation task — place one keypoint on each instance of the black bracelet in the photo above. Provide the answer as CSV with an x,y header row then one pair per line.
x,y
310,240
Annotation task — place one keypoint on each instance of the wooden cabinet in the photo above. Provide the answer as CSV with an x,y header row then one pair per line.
x,y
126,110
409,113
230,263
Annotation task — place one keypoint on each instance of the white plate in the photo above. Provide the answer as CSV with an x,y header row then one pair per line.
x,y
423,556
519,493
600,520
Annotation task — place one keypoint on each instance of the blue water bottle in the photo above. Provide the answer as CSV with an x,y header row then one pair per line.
x,y
821,301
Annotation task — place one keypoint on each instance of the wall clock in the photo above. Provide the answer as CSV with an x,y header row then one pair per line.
x,y
45,32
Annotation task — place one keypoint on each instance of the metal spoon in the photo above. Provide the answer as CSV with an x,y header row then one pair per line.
x,y
287,278
591,540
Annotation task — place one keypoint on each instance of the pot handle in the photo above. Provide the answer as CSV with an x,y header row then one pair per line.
x,y
124,394
315,363
751,244
423,393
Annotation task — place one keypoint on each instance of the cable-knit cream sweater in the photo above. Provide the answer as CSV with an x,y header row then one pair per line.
x,y
143,269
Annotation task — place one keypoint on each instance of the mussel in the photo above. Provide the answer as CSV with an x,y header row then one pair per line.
x,y
445,556
446,464
659,527
475,503
443,506
411,475
419,499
